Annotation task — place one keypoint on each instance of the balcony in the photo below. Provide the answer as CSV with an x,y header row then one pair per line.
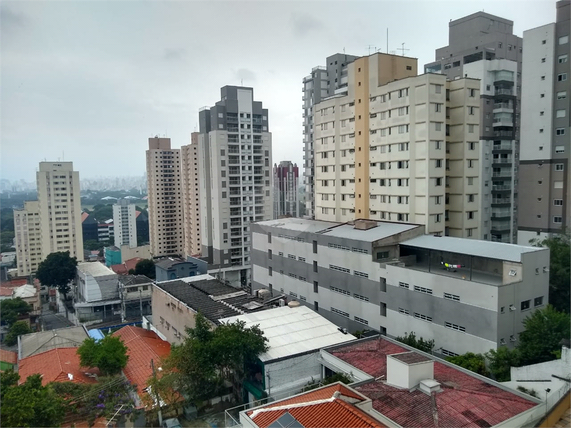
x,y
501,226
501,161
501,213
503,91
505,239
501,187
502,146
503,108
502,174
503,122
501,201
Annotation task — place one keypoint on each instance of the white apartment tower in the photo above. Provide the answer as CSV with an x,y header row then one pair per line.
x,y
545,131
165,201
191,197
125,222
60,209
401,150
28,238
235,164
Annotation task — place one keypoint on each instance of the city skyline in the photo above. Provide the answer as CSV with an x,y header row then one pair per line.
x,y
95,97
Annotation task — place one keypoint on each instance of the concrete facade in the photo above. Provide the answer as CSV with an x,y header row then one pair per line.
x,y
28,238
392,278
286,183
476,42
191,197
544,160
60,209
125,224
235,158
165,201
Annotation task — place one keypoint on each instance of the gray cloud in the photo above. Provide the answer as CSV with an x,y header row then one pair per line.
x,y
303,24
171,54
11,20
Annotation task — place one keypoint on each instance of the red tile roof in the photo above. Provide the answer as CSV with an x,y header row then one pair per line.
x,y
8,356
464,400
119,269
7,287
312,411
84,216
54,366
131,263
143,345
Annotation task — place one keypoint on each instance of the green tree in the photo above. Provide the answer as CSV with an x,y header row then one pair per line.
x,y
559,269
7,219
541,339
501,361
8,379
109,354
17,329
32,405
470,361
145,267
7,240
57,270
11,309
411,340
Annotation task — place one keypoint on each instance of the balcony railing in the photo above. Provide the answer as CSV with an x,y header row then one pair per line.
x,y
503,146
502,187
503,160
503,92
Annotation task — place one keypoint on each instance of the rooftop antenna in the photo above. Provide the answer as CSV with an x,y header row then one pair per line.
x,y
343,50
370,48
241,82
402,49
387,40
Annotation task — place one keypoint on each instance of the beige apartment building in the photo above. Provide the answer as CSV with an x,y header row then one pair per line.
x,y
398,147
191,197
60,209
165,201
28,238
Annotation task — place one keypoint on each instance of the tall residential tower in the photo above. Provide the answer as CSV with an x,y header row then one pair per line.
x,y
191,197
286,187
125,222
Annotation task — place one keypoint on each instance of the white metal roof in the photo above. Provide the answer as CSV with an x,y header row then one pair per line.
x,y
95,269
26,290
473,247
292,331
298,224
381,231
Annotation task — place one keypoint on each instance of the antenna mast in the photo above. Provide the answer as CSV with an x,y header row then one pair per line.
x,y
402,49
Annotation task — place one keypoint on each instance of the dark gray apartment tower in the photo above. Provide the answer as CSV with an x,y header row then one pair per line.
x,y
545,148
323,82
235,180
483,46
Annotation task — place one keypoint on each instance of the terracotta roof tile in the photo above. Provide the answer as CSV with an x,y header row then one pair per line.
x,y
54,366
143,345
464,401
334,413
8,356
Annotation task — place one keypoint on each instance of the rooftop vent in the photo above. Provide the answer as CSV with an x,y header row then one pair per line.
x,y
428,386
408,369
365,224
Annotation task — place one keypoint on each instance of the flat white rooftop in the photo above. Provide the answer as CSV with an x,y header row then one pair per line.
x,y
95,269
292,331
473,247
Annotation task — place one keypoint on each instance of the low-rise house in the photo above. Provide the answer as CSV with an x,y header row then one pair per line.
x,y
96,294
410,388
8,360
295,335
169,269
334,405
135,293
42,341
126,267
116,255
176,303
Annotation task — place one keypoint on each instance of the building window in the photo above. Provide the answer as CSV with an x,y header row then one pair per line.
x,y
561,113
561,95
560,131
563,40
559,167
404,311
316,306
562,77
562,59
452,297
559,149
422,290
314,247
403,285
422,317
557,219
269,237
558,202
538,301
314,266
339,312
270,271
270,254
455,327
525,305
315,287
383,284
470,129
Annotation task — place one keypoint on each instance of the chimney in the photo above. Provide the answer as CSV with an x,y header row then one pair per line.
x,y
406,370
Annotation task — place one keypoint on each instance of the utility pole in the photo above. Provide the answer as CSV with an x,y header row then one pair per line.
x,y
141,302
157,394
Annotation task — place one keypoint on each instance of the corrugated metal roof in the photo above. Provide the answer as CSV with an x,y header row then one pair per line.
x,y
381,231
473,247
95,269
292,331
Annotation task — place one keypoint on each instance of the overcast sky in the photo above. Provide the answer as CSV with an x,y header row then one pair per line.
x,y
92,80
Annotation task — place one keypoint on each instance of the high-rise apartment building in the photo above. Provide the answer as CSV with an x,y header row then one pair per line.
x,y
191,197
165,201
545,133
235,164
28,238
401,150
125,223
323,82
483,46
60,209
286,186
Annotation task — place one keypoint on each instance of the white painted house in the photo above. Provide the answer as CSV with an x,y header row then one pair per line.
x,y
96,293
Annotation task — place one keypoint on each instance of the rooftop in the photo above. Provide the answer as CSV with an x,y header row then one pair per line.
x,y
36,343
94,269
331,406
134,280
214,299
169,263
473,247
25,291
142,347
292,331
411,357
465,400
56,365
8,356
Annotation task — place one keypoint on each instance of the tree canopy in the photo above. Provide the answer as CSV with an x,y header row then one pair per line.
x,y
411,340
559,270
145,267
109,354
470,361
11,309
29,404
208,357
57,270
17,329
